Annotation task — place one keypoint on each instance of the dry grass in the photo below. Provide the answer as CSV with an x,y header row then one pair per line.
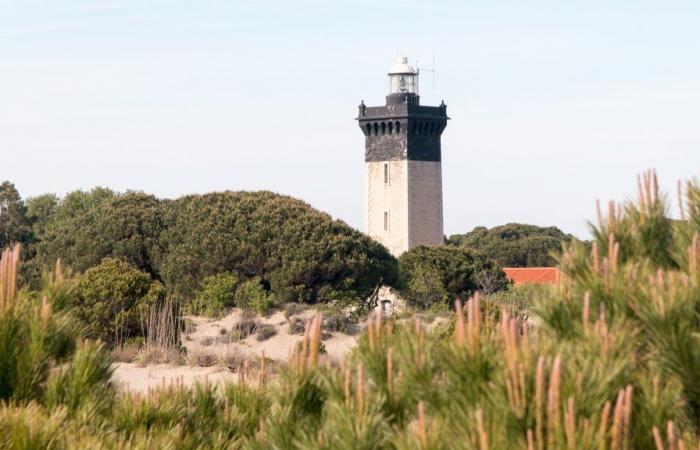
x,y
201,358
126,353
336,323
292,309
156,355
296,326
161,329
265,332
246,326
207,341
233,359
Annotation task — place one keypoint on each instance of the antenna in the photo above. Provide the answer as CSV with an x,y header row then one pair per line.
x,y
428,70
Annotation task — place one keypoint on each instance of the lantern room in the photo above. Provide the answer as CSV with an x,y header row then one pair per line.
x,y
403,79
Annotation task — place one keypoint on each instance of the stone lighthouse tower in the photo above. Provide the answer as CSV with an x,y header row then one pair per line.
x,y
403,175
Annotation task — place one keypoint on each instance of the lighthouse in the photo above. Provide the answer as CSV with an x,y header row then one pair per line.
x,y
403,165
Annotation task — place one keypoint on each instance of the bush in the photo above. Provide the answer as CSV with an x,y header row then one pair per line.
x,y
216,294
296,326
292,309
429,275
126,353
201,358
38,356
87,227
113,298
297,251
252,295
337,323
245,326
82,380
515,244
232,359
265,332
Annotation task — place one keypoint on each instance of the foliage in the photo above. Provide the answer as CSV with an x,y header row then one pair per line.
x,y
86,227
252,295
40,362
217,293
14,224
298,253
113,299
515,244
430,275
32,337
608,359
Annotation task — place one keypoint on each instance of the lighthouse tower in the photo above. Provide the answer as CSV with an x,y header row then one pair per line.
x,y
403,174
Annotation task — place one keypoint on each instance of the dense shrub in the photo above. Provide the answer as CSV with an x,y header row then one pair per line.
x,y
113,300
430,275
217,293
299,253
252,295
14,223
515,244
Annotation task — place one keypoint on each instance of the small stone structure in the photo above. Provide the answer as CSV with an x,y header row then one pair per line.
x,y
389,301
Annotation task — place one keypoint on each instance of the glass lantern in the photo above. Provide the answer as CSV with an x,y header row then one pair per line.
x,y
403,79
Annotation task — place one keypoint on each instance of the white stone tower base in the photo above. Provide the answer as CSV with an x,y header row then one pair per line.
x,y
404,203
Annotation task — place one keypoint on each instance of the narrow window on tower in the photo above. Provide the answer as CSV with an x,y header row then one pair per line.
x,y
386,173
386,220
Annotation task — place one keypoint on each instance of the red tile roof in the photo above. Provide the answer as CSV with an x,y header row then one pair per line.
x,y
538,275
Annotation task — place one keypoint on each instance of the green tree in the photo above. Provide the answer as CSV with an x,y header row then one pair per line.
x,y
40,209
69,232
426,287
438,274
217,293
14,226
252,295
113,298
89,226
514,244
299,253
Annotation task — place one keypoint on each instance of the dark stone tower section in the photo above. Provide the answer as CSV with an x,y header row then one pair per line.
x,y
402,129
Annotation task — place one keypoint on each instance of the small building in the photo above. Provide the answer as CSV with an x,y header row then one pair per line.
x,y
532,275
389,301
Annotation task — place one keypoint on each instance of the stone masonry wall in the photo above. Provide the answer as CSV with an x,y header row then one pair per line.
x,y
425,221
389,197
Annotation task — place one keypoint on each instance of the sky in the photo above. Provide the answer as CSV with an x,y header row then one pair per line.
x,y
554,104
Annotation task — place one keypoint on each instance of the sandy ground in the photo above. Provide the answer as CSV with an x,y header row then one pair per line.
x,y
278,348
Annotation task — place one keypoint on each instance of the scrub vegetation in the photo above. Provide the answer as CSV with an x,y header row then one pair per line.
x,y
197,244
515,244
607,359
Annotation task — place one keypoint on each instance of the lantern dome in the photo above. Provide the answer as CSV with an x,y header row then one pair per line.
x,y
401,66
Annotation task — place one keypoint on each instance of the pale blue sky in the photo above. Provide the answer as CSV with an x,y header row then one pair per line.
x,y
553,103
